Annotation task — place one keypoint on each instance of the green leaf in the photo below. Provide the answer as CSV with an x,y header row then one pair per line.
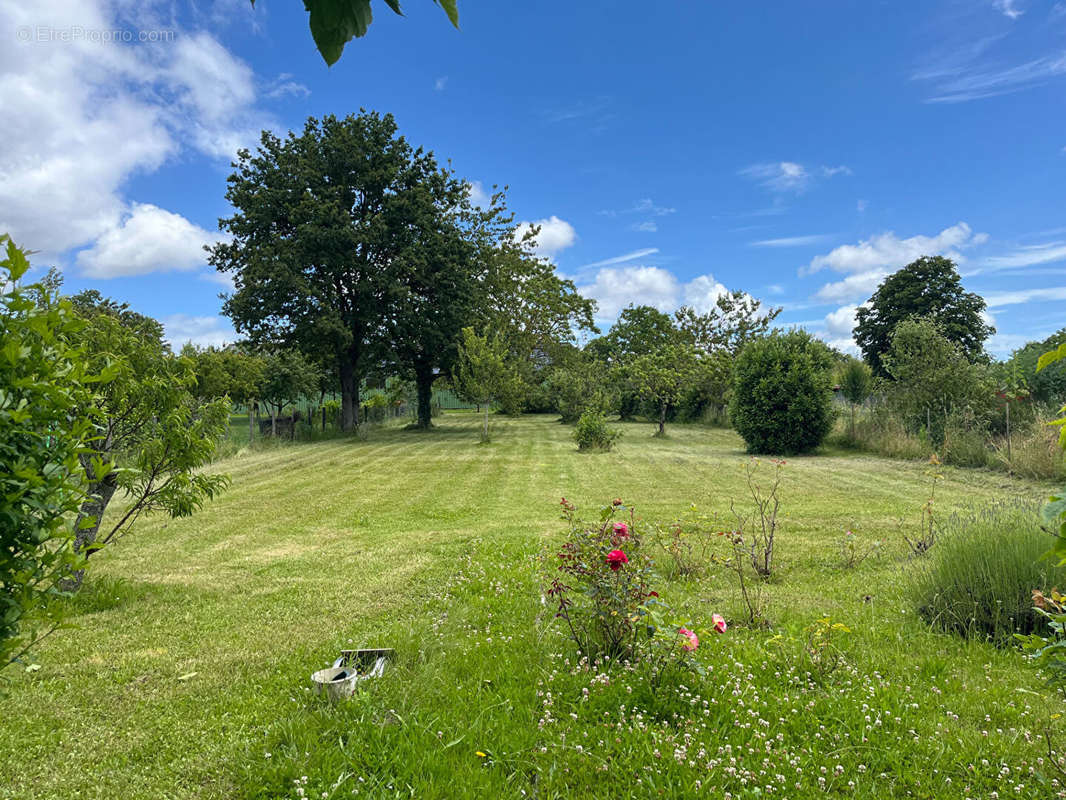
x,y
1051,356
451,8
1054,508
334,23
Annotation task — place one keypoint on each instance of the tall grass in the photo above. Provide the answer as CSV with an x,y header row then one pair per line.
x,y
978,580
1032,452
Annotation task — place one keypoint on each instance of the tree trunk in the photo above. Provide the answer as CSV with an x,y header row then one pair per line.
x,y
100,494
485,427
251,422
662,419
292,425
349,396
273,421
424,382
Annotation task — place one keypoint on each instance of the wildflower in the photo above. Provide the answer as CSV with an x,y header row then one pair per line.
x,y
693,640
479,754
718,622
615,560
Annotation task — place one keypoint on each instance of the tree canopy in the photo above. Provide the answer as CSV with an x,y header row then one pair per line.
x,y
927,287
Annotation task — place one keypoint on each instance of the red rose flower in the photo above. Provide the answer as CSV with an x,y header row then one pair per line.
x,y
621,530
615,560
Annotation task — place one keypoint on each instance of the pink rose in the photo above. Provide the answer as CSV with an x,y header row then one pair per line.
x,y
718,622
621,530
693,640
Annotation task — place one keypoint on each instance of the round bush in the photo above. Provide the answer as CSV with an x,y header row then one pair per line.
x,y
782,393
593,432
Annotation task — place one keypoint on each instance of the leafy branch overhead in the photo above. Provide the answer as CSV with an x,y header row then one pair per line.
x,y
334,23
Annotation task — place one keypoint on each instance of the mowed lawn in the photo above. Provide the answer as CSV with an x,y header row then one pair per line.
x,y
187,674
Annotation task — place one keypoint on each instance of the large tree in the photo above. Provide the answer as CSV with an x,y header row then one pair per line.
x,y
322,222
441,284
928,287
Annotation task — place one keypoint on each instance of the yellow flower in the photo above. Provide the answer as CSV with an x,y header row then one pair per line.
x,y
479,754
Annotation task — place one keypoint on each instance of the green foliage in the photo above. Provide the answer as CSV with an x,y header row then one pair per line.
x,y
322,236
979,578
662,377
593,433
288,377
604,595
483,372
856,381
782,399
151,431
334,23
44,425
226,372
707,396
928,287
583,386
1047,385
931,376
736,319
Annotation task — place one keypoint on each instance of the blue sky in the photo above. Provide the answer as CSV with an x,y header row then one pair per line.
x,y
796,151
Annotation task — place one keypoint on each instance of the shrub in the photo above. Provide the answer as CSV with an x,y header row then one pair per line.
x,y
979,581
593,432
607,603
782,400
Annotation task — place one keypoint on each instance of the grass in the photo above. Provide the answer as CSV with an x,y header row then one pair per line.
x,y
188,674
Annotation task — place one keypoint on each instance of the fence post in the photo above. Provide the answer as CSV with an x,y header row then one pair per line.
x,y
1010,458
323,419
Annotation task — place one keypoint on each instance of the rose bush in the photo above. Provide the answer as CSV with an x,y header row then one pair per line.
x,y
602,588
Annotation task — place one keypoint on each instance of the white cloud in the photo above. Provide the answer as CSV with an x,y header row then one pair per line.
x,y
784,176
633,256
646,227
788,176
1007,8
614,288
1027,256
554,236
1017,297
840,323
440,83
83,117
792,241
646,206
872,259
860,206
702,292
180,329
284,85
974,81
888,250
149,239
852,287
